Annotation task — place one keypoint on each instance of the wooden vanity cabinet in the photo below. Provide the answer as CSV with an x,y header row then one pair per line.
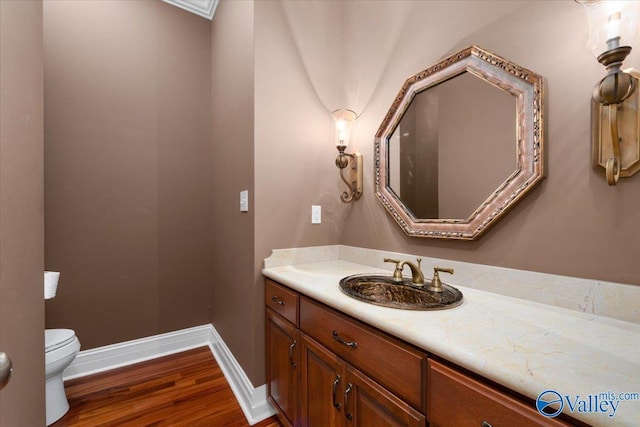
x,y
326,369
282,351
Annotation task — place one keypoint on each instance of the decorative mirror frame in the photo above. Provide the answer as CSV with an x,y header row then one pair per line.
x,y
526,87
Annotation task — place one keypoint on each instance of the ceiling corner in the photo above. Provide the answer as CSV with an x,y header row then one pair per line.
x,y
204,8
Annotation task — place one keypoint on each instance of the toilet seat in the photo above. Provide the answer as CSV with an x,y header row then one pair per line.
x,y
56,338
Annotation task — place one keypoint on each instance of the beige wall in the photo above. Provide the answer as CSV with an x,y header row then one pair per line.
x,y
573,223
147,231
275,84
294,148
21,211
235,293
129,169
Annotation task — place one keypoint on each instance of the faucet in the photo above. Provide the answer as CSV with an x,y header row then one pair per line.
x,y
417,278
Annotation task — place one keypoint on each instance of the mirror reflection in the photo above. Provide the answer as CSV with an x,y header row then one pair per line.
x,y
454,145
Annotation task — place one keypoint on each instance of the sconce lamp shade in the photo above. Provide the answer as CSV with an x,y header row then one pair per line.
x,y
612,23
344,120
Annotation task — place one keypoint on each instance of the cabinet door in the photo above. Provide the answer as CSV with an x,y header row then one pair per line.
x,y
322,380
282,367
367,404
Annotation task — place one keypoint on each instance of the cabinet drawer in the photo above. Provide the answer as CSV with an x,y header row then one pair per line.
x,y
393,364
282,300
456,399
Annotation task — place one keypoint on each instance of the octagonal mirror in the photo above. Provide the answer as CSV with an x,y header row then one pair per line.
x,y
461,144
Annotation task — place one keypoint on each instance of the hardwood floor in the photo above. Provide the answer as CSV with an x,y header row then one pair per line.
x,y
184,389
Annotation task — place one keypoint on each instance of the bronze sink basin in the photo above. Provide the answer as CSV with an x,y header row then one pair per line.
x,y
383,290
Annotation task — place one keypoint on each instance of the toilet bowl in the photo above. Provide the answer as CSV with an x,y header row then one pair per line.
x,y
61,347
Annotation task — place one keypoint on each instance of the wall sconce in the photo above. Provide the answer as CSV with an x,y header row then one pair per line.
x,y
350,164
615,135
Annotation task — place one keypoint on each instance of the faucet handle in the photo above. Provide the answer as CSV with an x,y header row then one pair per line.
x,y
436,283
442,270
397,273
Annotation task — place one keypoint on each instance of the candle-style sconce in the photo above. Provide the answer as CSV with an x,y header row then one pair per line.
x,y
350,164
615,131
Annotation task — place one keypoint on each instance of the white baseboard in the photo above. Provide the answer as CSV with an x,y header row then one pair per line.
x,y
126,353
252,400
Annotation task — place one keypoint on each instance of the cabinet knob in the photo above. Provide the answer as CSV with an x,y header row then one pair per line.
x,y
277,300
485,424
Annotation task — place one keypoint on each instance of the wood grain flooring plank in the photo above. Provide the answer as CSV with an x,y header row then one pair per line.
x,y
183,389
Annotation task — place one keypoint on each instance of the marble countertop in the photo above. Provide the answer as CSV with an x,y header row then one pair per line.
x,y
526,346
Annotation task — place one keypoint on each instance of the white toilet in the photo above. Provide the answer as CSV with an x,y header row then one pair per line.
x,y
61,347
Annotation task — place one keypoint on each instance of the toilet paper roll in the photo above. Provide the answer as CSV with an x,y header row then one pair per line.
x,y
51,283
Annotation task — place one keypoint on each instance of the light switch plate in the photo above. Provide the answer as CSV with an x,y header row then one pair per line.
x,y
316,214
244,201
